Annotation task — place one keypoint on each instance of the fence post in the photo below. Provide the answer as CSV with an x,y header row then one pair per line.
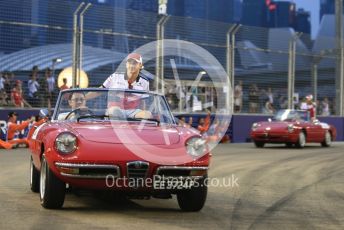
x,y
75,43
81,40
230,64
340,58
159,69
315,80
291,69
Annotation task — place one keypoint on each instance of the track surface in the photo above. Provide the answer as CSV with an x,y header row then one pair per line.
x,y
271,188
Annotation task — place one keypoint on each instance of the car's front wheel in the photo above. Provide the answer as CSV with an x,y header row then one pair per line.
x,y
327,140
193,199
301,141
34,177
52,190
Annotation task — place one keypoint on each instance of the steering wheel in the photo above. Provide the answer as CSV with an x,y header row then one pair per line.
x,y
78,112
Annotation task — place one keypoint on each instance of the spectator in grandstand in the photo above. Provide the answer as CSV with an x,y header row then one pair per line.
x,y
283,102
50,78
8,87
253,97
64,86
13,129
17,95
325,107
171,101
2,82
189,124
270,95
238,93
3,98
43,87
10,76
303,104
181,121
268,107
33,87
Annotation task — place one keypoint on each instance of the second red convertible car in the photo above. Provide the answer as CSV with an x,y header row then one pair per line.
x,y
292,127
123,141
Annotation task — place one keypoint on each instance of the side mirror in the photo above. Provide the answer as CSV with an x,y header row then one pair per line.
x,y
316,121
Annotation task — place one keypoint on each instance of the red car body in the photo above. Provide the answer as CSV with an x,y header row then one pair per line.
x,y
292,127
111,149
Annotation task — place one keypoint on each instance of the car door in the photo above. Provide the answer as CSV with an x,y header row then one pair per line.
x,y
314,131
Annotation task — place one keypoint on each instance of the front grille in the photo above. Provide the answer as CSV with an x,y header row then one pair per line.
x,y
88,171
174,172
137,169
181,171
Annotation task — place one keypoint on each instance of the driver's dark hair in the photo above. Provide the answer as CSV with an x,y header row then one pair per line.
x,y
80,92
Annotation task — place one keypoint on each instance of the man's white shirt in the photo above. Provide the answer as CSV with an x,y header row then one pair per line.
x,y
118,81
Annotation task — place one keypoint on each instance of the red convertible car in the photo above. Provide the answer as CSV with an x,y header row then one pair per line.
x,y
292,127
123,141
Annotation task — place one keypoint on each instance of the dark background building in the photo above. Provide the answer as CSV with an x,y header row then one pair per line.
x,y
326,7
303,21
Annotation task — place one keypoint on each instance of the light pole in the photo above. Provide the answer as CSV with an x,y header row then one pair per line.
x,y
231,63
159,69
77,42
340,58
291,69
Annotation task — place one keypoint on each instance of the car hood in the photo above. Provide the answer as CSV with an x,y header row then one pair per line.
x,y
126,133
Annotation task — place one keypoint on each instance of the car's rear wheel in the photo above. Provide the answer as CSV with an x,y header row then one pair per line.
x,y
34,177
327,140
193,199
259,144
301,141
52,190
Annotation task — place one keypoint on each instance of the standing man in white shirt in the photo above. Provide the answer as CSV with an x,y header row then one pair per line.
x,y
131,79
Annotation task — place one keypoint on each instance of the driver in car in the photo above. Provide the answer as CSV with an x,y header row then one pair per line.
x,y
77,100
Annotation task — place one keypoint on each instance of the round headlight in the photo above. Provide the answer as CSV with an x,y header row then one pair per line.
x,y
254,126
66,143
196,147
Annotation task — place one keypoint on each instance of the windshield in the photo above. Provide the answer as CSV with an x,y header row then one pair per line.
x,y
114,105
291,115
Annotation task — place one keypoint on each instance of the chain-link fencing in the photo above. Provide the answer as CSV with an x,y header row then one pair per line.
x,y
36,43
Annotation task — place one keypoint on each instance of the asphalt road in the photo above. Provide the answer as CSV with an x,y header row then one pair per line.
x,y
270,188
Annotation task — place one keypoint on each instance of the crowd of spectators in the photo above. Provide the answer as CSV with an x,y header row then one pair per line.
x,y
39,89
268,101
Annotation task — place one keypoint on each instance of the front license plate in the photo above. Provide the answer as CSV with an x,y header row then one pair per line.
x,y
172,183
